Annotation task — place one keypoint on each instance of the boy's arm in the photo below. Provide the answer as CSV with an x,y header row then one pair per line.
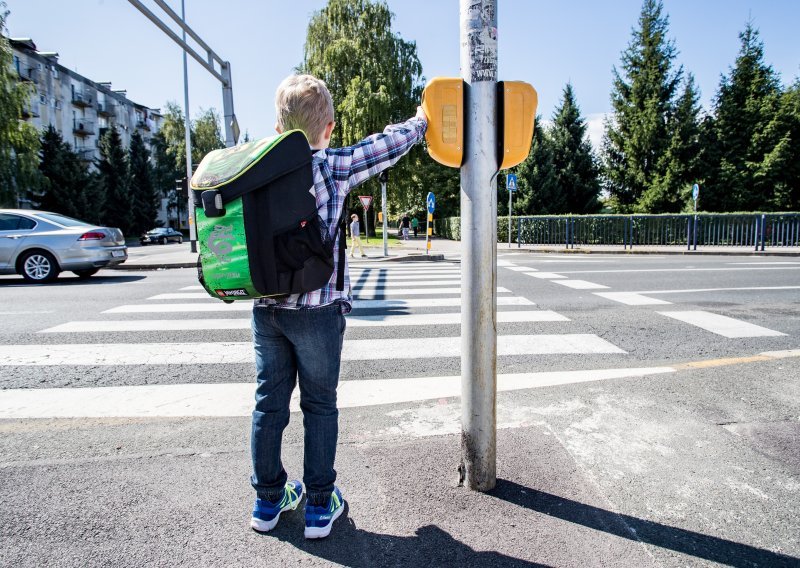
x,y
381,151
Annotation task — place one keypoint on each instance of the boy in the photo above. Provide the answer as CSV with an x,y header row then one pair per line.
x,y
299,338
355,232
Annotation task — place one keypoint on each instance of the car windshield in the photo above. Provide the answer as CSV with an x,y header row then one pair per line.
x,y
160,230
62,220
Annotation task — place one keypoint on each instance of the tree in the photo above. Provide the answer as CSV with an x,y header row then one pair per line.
x,y
19,141
206,134
782,165
375,79
113,177
143,194
173,132
637,135
671,189
538,190
737,137
576,170
64,178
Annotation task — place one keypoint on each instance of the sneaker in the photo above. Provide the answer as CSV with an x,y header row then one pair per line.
x,y
266,513
363,256
319,518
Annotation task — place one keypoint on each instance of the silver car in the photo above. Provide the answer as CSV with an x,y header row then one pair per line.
x,y
38,245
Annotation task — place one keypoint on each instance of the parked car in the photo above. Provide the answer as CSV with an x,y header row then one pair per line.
x,y
39,244
161,235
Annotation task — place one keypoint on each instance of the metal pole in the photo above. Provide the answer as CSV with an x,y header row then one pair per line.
x,y
478,468
188,128
384,177
510,193
231,126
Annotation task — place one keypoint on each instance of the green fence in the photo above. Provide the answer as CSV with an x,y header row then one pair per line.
x,y
755,230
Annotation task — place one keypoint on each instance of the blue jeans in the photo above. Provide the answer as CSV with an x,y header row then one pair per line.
x,y
301,344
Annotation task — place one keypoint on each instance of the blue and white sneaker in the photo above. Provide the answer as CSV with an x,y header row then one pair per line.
x,y
319,518
266,513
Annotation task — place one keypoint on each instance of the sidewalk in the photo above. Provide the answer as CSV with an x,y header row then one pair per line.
x,y
157,257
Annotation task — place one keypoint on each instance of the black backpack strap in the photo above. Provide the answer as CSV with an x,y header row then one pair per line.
x,y
342,245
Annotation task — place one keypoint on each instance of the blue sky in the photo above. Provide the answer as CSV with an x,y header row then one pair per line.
x,y
543,43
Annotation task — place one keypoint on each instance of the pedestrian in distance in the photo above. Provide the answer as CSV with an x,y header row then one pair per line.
x,y
298,338
415,226
405,224
355,232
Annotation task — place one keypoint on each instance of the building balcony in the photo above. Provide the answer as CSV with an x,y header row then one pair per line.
x,y
82,98
85,154
30,75
106,108
82,127
144,124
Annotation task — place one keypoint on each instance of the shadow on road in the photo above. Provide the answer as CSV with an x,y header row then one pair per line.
x,y
68,280
625,526
430,546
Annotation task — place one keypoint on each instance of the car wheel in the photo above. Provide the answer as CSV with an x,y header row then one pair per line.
x,y
162,241
180,240
85,273
38,266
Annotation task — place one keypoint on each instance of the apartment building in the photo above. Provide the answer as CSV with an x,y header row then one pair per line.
x,y
81,109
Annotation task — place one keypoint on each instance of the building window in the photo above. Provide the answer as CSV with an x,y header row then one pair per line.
x,y
16,63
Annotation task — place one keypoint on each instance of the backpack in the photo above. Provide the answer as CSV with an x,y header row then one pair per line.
x,y
258,229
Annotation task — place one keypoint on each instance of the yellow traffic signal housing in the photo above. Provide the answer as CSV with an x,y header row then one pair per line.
x,y
516,103
443,102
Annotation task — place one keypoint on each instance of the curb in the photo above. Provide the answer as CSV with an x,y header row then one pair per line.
x,y
658,252
154,266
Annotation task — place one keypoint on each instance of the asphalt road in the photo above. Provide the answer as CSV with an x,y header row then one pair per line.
x,y
640,423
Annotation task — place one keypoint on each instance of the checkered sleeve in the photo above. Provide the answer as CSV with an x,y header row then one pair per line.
x,y
378,152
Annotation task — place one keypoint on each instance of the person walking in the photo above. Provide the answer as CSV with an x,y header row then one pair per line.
x,y
355,232
405,224
415,226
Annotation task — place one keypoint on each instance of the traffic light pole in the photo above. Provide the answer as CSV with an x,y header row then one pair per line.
x,y
478,22
383,178
187,127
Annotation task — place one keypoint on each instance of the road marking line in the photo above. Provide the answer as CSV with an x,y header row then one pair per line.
x,y
245,306
544,275
411,279
624,270
195,287
722,325
433,303
766,263
236,399
242,352
361,293
519,316
522,269
698,290
417,282
631,298
580,284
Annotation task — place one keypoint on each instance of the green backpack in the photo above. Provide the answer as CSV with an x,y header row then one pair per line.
x,y
258,228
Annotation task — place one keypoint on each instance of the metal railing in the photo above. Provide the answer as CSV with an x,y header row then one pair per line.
x,y
82,98
754,230
82,127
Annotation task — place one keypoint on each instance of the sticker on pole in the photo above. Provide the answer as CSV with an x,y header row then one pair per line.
x,y
366,201
430,201
695,191
511,182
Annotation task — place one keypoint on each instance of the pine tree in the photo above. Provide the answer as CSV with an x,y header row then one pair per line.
x,y
679,170
538,190
113,176
637,136
143,194
63,177
782,165
737,138
576,169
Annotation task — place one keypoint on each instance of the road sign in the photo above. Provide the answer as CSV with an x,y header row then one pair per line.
x,y
431,202
511,182
695,191
366,201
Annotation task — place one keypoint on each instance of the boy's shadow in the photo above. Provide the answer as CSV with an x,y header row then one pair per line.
x,y
431,546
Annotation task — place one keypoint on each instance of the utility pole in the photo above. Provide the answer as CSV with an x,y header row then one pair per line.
x,y
383,178
478,22
209,61
187,126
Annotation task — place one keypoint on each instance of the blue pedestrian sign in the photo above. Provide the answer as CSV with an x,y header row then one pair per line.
x,y
511,182
695,191
431,202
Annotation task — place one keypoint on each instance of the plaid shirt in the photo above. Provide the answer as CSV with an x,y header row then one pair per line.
x,y
336,172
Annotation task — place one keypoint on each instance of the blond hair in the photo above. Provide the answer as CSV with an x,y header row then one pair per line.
x,y
303,102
